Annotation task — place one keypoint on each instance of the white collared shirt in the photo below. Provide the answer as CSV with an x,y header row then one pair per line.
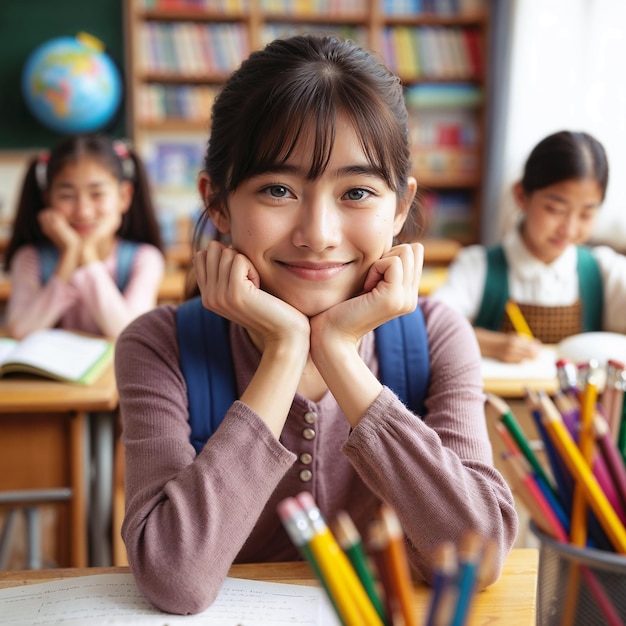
x,y
533,282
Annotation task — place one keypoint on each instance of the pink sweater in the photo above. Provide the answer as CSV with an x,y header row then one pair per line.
x,y
90,302
188,517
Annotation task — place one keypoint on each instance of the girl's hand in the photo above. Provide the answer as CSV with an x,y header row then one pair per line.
x,y
506,347
58,230
230,286
101,236
390,290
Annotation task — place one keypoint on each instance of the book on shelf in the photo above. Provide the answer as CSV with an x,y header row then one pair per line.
x,y
57,354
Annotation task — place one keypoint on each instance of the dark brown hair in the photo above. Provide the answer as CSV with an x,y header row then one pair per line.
x,y
138,223
304,82
565,155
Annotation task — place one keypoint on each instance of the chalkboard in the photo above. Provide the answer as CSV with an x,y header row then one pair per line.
x,y
24,24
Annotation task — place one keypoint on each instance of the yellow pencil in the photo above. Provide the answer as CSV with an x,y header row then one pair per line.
x,y
597,500
517,319
349,594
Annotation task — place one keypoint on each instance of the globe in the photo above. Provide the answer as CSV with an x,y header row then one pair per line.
x,y
71,85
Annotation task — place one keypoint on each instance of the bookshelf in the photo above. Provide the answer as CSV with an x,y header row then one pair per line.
x,y
181,51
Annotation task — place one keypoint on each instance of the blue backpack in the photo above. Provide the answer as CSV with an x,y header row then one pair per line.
x,y
49,259
207,364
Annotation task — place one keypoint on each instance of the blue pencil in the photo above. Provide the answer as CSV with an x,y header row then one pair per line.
x,y
445,567
469,558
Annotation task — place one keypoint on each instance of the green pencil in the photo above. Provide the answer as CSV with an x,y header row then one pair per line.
x,y
505,415
349,539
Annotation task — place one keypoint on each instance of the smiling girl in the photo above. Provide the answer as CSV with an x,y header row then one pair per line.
x,y
85,252
561,286
307,181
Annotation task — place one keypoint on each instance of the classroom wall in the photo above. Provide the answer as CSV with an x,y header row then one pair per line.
x,y
24,24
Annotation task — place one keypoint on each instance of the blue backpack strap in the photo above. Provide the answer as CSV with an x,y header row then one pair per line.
x,y
49,259
207,365
591,289
495,292
404,358
125,257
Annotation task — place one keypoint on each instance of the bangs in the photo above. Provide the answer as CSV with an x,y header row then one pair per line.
x,y
308,114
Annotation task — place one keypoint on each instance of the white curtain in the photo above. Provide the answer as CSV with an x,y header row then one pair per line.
x,y
567,70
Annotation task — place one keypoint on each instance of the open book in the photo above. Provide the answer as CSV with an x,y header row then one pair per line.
x,y
57,354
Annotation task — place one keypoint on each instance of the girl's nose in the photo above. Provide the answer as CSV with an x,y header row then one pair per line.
x,y
319,225
83,206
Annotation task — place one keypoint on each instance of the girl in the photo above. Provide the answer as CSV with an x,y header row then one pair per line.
x,y
85,253
307,177
562,287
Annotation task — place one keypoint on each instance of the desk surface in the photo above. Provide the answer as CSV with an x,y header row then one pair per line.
x,y
30,394
512,600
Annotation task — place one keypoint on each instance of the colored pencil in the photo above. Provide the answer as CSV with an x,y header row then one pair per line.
x,y
377,541
511,424
300,531
562,477
349,539
523,484
444,594
552,501
517,319
571,420
564,443
566,373
611,455
578,533
398,564
613,396
470,550
350,597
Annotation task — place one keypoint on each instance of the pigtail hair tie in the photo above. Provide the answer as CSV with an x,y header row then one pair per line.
x,y
41,170
128,165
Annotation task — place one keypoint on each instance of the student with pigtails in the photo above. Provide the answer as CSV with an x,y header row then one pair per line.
x,y
85,253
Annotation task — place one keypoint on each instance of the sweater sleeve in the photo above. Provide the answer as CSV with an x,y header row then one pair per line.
x,y
32,305
111,309
438,472
180,507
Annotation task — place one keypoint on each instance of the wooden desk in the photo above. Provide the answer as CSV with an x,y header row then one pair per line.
x,y
511,600
43,434
516,388
172,287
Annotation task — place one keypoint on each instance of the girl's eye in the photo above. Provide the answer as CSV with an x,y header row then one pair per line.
x,y
357,194
277,191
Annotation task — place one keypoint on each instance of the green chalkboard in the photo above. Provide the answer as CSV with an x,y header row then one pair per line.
x,y
24,24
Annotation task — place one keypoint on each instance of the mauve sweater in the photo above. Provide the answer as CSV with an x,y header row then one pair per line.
x,y
188,517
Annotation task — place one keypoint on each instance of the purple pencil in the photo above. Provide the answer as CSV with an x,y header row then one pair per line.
x,y
611,456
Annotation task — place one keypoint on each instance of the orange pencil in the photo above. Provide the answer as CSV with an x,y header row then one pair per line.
x,y
398,564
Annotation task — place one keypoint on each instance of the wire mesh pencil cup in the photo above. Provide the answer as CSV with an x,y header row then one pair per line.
x,y
601,588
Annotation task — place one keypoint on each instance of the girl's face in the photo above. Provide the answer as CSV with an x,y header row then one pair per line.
x,y
558,215
87,194
313,241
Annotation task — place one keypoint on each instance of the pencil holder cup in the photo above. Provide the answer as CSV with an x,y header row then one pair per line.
x,y
594,581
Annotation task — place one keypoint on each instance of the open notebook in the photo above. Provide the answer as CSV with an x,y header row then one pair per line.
x,y
57,354
114,599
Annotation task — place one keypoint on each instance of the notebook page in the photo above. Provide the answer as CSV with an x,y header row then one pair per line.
x,y
114,599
